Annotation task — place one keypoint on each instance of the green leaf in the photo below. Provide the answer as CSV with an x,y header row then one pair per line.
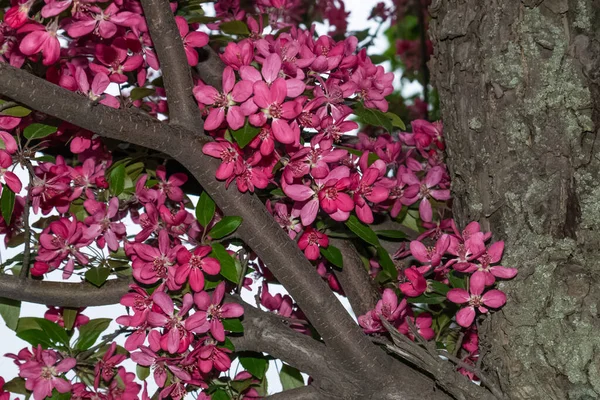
x,y
16,385
361,35
225,227
391,234
386,262
97,276
245,134
59,396
69,317
140,93
378,58
17,111
7,203
220,394
234,28
205,210
240,386
333,255
10,310
427,298
362,231
457,281
228,269
41,331
233,325
38,131
439,287
396,121
290,377
89,333
142,372
257,366
116,179
374,117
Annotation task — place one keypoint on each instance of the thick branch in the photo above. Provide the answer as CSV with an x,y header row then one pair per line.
x,y
210,68
265,332
355,280
63,294
301,393
177,77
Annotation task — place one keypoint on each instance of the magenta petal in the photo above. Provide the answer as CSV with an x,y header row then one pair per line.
x,y
503,272
271,67
164,302
458,296
425,210
217,330
309,212
12,181
235,118
211,266
495,252
215,118
262,94
477,283
279,90
232,310
465,316
283,132
419,251
299,192
205,94
494,298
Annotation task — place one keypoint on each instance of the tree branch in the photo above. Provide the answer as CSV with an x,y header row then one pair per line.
x,y
355,280
177,77
64,294
265,332
210,68
301,393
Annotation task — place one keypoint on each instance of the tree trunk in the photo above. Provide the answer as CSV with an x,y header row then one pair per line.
x,y
519,86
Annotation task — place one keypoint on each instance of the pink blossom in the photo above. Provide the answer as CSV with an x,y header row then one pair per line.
x,y
225,104
416,285
95,92
431,255
211,313
177,337
104,224
426,191
422,323
491,298
191,40
193,265
43,375
310,241
105,367
42,39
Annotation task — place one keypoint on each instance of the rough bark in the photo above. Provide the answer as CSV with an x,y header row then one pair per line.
x,y
519,85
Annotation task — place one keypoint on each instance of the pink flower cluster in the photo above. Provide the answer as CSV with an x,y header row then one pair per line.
x,y
177,341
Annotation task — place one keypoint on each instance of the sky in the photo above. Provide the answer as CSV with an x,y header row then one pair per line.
x,y
360,9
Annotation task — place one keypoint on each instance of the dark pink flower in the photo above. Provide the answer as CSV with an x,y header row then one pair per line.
x,y
225,104
193,265
475,299
310,241
211,313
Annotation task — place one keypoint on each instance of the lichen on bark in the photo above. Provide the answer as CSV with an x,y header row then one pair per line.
x,y
520,97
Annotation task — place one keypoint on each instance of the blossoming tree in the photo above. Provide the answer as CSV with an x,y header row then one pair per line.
x,y
122,110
